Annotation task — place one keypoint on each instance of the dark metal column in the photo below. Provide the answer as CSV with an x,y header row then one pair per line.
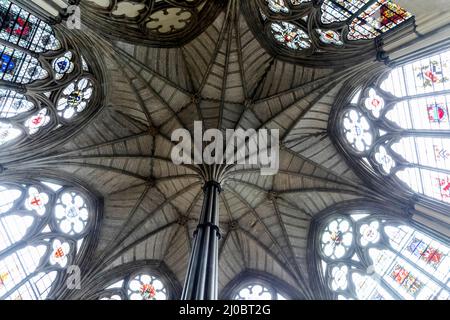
x,y
202,276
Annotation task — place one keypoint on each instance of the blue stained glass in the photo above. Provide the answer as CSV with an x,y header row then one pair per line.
x,y
8,63
17,66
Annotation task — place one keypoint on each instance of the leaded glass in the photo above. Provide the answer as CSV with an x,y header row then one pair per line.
x,y
340,10
290,36
75,98
17,66
31,58
389,261
401,126
379,18
315,32
330,37
29,261
21,28
63,65
337,238
13,104
140,286
146,287
37,121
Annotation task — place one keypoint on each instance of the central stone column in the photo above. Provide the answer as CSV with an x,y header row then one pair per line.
x,y
202,276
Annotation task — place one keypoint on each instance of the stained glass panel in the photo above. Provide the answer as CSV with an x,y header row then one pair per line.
x,y
290,36
419,154
13,104
430,113
146,287
429,152
21,28
17,266
427,75
378,18
389,261
368,289
17,66
340,10
29,272
63,65
75,98
337,238
282,6
330,37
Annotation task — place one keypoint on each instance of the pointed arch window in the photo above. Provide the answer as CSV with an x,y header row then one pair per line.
x,y
399,125
45,84
337,29
43,228
366,256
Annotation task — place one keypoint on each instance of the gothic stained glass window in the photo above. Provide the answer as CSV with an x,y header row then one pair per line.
x,y
21,28
400,124
17,66
341,23
32,56
378,18
381,259
139,286
42,228
258,290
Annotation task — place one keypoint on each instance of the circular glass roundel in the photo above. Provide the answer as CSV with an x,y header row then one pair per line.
x,y
146,287
75,98
357,130
337,238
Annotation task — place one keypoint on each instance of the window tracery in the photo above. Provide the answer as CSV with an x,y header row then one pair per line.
x,y
383,258
337,29
399,126
257,290
139,286
43,225
44,82
166,22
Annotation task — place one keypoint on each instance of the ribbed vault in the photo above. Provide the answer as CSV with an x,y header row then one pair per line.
x,y
227,80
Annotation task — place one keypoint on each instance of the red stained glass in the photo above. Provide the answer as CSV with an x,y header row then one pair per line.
x,y
437,113
431,74
147,291
406,279
375,102
59,253
21,28
426,252
399,274
432,255
336,237
392,13
444,186
37,120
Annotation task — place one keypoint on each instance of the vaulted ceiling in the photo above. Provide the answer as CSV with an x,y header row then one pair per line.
x,y
226,79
